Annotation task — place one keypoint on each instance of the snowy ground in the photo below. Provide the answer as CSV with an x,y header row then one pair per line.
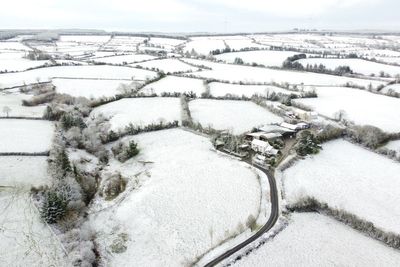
x,y
361,66
189,199
394,87
140,111
99,71
235,116
349,177
168,65
237,73
394,145
264,57
204,45
221,89
14,61
314,240
24,239
173,84
360,106
124,58
25,135
23,171
14,102
88,88
13,46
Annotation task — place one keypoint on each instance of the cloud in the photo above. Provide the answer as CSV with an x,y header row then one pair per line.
x,y
291,8
196,15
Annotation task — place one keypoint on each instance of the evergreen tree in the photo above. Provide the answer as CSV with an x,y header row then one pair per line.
x,y
132,149
62,162
53,208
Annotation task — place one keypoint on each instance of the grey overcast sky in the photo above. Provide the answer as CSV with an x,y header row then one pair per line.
x,y
200,15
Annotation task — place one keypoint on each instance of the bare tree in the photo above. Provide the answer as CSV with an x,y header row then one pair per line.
x,y
6,110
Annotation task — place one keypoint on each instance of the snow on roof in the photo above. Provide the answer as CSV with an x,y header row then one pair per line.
x,y
271,135
272,128
289,126
265,135
260,143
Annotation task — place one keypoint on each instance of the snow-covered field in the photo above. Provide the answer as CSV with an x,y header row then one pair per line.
x,y
237,73
14,102
204,45
14,46
24,239
221,89
235,116
314,240
349,177
391,88
394,145
360,106
361,66
124,43
14,61
122,59
166,41
88,88
189,199
168,65
23,171
25,135
175,84
140,111
264,57
99,71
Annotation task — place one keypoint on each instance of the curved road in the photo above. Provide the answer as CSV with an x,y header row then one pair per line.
x,y
270,223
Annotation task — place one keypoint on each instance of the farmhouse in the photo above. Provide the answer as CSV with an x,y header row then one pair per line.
x,y
263,147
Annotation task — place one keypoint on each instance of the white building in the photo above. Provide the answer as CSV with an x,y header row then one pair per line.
x,y
263,147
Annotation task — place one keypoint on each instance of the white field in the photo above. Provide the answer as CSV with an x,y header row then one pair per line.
x,y
23,171
13,46
25,135
314,240
124,43
88,88
14,61
204,45
394,145
361,66
165,41
221,89
395,60
168,65
360,106
100,71
349,177
175,84
187,200
238,44
24,239
237,73
264,57
235,116
14,102
124,58
140,111
394,88
85,39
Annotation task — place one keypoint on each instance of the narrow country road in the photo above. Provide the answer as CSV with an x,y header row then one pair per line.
x,y
270,223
